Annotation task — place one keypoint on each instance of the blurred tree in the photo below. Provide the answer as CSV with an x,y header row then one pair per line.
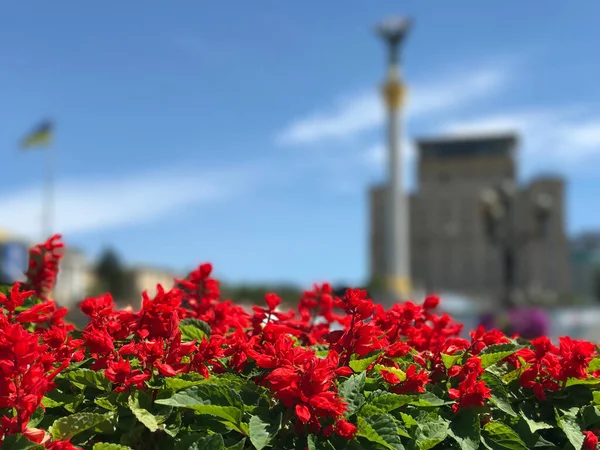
x,y
255,293
597,283
376,285
113,277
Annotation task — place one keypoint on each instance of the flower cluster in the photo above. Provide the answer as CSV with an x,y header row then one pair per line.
x,y
35,343
192,370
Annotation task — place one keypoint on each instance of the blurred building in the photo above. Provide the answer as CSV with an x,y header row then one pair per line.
x,y
450,251
146,278
75,278
585,265
14,257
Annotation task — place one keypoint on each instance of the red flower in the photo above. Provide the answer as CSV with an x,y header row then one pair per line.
x,y
390,377
345,429
95,308
308,388
472,365
576,356
470,393
302,412
98,341
38,313
15,298
43,266
414,383
36,435
591,441
431,302
61,445
273,301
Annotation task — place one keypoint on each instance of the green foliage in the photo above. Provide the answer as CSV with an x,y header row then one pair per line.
x,y
194,329
69,426
263,428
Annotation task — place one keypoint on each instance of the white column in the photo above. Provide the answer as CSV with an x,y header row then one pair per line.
x,y
398,242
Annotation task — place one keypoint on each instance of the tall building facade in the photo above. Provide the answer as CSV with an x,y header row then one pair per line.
x,y
585,265
450,250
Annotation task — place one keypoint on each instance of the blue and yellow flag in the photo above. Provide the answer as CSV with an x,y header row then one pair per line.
x,y
41,136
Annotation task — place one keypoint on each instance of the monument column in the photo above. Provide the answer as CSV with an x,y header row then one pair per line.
x,y
397,235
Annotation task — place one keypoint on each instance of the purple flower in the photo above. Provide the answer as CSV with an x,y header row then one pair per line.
x,y
528,323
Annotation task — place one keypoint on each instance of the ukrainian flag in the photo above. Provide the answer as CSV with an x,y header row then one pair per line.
x,y
41,136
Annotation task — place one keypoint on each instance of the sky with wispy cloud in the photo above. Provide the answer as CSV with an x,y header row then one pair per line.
x,y
248,136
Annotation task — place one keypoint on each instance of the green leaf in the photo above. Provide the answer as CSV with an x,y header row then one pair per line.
x,y
465,429
501,436
399,373
57,398
533,416
196,442
450,360
36,418
360,365
184,380
311,442
133,436
239,446
262,432
430,433
138,402
408,420
67,427
107,402
428,399
382,402
590,416
209,399
500,396
568,423
492,354
107,446
250,393
83,378
594,365
194,329
381,429
19,442
322,354
596,398
583,381
352,391
49,403
514,374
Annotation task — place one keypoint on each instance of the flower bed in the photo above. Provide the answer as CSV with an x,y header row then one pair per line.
x,y
190,371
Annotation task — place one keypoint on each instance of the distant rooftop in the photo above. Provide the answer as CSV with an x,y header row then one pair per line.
x,y
467,145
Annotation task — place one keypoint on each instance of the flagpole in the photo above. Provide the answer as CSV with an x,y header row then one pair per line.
x,y
48,195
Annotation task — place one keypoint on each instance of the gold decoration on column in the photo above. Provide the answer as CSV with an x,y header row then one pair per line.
x,y
401,287
394,93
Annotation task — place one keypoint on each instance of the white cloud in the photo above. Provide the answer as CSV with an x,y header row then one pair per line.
x,y
87,205
377,155
585,137
364,111
456,91
351,115
561,134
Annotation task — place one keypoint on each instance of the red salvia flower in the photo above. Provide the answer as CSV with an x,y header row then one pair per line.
x,y
591,441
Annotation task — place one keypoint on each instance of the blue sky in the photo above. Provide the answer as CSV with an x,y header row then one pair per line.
x,y
247,134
